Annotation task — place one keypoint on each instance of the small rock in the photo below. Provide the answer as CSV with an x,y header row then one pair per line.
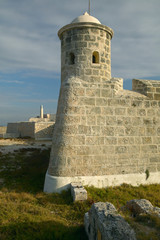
x,y
78,192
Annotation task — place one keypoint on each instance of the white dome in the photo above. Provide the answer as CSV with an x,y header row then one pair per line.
x,y
86,18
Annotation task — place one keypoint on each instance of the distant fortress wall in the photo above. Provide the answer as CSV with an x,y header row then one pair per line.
x,y
2,131
44,130
36,130
40,127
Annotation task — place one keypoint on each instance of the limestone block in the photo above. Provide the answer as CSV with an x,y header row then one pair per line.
x,y
121,149
101,102
149,148
119,131
146,140
107,110
111,120
91,92
125,140
78,192
105,223
110,140
93,110
107,131
157,96
120,111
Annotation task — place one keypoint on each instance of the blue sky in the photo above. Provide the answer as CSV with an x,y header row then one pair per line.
x,y
30,48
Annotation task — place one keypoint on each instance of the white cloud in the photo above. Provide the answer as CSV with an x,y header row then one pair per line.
x,y
11,81
23,50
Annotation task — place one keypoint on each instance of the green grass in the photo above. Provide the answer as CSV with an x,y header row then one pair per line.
x,y
121,194
28,213
24,170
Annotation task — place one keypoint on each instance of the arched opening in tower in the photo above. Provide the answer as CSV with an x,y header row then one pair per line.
x,y
95,57
72,59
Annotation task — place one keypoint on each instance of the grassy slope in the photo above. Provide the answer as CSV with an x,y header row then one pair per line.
x,y
28,213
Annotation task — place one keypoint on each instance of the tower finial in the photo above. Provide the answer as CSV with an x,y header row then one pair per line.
x,y
89,7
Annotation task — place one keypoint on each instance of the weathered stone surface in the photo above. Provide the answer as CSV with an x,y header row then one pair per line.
x,y
78,192
86,223
105,223
139,206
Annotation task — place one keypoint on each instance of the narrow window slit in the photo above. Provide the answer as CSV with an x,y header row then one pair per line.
x,y
95,57
72,59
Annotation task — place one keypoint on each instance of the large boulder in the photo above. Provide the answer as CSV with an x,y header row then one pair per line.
x,y
142,206
103,222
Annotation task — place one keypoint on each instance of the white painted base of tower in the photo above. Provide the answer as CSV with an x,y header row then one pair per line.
x,y
58,184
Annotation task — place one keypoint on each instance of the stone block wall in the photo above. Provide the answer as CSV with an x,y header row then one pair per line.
x,y
81,43
43,130
149,88
13,128
102,129
3,130
26,129
37,130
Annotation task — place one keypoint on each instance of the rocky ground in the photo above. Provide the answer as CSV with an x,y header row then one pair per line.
x,y
10,145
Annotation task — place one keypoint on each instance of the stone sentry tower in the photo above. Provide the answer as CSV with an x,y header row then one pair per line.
x,y
85,50
85,68
103,135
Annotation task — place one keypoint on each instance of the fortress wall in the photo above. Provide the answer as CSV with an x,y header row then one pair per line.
x,y
100,131
44,130
13,128
35,130
26,129
149,88
3,130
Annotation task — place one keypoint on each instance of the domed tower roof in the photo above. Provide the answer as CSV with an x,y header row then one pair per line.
x,y
86,18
